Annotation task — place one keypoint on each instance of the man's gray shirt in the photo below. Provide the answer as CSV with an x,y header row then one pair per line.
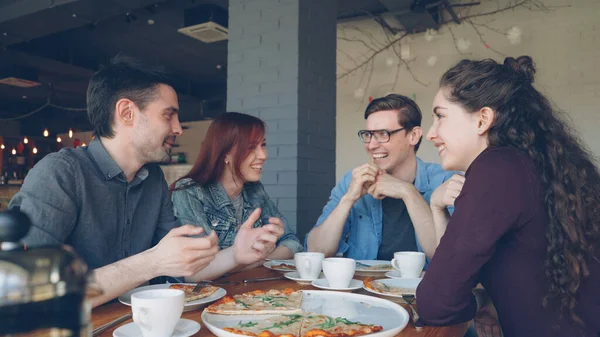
x,y
81,197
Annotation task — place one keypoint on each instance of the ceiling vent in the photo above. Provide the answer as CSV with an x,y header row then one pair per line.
x,y
207,23
17,76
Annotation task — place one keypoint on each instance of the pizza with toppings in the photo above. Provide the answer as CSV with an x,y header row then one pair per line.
x,y
303,325
280,326
385,289
259,302
192,296
283,266
315,325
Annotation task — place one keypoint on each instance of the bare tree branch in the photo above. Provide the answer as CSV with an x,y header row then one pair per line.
x,y
464,13
370,58
487,46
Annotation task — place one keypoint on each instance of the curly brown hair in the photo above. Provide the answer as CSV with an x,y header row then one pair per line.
x,y
526,120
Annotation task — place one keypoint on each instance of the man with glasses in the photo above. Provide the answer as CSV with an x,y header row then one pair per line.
x,y
382,206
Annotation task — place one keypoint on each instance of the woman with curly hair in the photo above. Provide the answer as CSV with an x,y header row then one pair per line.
x,y
526,223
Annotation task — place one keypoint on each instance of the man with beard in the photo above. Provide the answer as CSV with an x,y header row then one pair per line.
x,y
110,200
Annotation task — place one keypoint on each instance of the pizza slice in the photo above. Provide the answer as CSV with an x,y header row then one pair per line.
x,y
192,296
385,289
377,267
277,326
259,302
283,266
315,325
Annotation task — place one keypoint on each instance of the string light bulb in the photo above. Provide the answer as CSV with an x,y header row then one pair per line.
x,y
46,133
25,140
14,151
84,144
2,147
34,150
70,133
58,139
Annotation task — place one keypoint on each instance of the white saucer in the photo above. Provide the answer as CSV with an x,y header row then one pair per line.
x,y
324,284
184,328
396,274
295,276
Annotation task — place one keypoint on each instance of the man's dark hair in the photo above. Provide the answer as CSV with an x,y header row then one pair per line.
x,y
409,114
124,77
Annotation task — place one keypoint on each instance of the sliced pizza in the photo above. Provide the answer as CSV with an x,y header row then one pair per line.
x,y
283,266
258,302
192,296
385,289
277,326
315,325
302,325
377,267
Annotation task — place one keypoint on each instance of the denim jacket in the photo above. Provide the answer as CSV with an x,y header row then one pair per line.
x,y
210,207
361,236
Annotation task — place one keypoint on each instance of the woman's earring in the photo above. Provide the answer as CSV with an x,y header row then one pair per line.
x,y
226,161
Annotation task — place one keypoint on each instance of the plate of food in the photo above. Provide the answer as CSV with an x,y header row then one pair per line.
x,y
192,300
304,313
392,287
280,265
373,266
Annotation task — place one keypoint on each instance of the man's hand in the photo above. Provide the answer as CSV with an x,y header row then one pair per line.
x,y
446,193
363,177
254,244
388,186
177,254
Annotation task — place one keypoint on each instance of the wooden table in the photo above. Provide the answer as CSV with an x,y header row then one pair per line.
x,y
108,312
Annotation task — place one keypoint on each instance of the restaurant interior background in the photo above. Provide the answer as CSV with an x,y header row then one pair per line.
x,y
49,49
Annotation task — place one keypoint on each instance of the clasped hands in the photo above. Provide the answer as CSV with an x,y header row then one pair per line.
x,y
370,179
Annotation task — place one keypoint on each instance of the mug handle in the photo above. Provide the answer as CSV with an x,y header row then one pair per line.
x,y
138,317
394,265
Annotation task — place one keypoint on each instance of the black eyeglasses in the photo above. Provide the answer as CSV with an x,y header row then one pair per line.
x,y
381,136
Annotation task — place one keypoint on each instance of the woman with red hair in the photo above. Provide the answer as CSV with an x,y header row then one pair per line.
x,y
223,193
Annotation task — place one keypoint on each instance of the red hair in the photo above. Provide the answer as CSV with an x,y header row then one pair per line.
x,y
230,132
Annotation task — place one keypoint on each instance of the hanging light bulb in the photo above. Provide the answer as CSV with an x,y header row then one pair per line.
x,y
58,139
34,150
70,133
14,151
2,147
46,133
25,140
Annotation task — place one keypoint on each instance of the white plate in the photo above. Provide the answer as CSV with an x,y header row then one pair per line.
x,y
184,328
270,264
192,305
408,283
354,307
324,284
396,274
361,269
295,276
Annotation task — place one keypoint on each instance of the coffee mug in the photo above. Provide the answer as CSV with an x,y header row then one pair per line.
x,y
339,271
157,311
409,264
308,265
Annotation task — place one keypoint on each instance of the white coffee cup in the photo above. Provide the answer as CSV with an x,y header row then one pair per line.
x,y
339,271
409,264
157,311
308,265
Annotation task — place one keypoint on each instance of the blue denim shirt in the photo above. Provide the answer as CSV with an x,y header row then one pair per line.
x,y
210,207
361,236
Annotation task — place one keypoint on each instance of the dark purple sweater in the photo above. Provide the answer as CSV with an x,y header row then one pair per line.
x,y
497,237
